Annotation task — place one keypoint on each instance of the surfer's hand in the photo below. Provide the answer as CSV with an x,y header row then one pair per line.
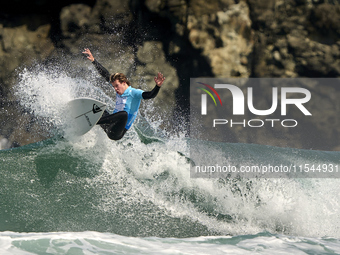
x,y
89,54
159,79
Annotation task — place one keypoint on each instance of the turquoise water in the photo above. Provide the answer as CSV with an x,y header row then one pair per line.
x,y
106,243
95,196
91,195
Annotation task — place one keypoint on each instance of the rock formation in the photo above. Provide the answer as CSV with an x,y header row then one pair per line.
x,y
187,38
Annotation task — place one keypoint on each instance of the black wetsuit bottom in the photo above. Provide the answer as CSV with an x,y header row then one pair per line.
x,y
114,124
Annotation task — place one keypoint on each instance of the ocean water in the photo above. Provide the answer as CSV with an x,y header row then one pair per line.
x,y
91,195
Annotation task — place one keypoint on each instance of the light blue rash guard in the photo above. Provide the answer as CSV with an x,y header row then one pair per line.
x,y
129,101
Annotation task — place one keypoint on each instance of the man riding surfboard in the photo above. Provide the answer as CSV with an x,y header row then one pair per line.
x,y
128,100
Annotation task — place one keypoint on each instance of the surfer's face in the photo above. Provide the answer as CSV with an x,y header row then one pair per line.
x,y
119,87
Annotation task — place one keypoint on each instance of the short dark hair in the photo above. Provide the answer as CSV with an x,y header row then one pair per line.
x,y
120,77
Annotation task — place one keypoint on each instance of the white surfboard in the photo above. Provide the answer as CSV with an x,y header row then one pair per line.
x,y
84,113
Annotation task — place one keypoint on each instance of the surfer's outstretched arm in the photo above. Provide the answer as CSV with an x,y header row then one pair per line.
x,y
102,70
153,93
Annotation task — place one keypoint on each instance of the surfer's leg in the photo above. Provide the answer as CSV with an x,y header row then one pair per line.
x,y
114,124
115,134
103,120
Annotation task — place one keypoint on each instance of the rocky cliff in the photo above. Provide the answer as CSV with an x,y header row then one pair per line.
x,y
181,38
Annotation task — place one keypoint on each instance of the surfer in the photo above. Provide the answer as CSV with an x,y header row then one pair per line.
x,y
127,100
